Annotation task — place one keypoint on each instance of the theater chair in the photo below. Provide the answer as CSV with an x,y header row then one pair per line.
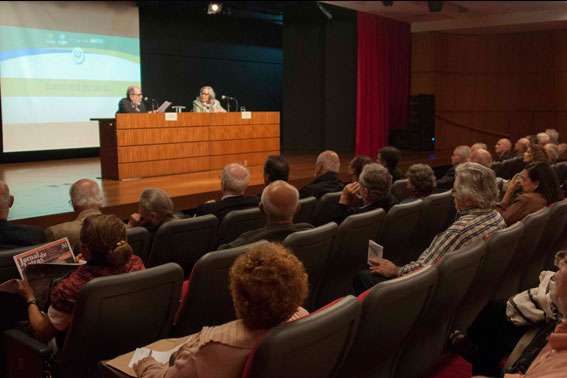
x,y
534,225
208,301
314,346
306,210
390,311
184,241
8,269
551,233
398,226
349,256
400,189
139,240
428,340
325,209
500,249
431,222
237,222
113,315
497,168
313,248
512,166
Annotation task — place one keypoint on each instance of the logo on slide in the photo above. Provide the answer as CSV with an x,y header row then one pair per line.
x,y
78,55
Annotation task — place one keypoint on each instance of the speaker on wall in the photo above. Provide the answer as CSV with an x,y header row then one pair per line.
x,y
422,122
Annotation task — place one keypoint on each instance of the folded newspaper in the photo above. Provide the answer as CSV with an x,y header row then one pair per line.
x,y
41,266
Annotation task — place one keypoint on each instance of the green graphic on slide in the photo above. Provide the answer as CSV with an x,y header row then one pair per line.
x,y
64,88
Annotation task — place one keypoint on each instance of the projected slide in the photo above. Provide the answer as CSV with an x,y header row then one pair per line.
x,y
53,82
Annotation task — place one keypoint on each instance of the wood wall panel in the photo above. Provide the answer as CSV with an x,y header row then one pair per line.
x,y
163,167
243,132
145,121
160,136
244,145
249,159
162,151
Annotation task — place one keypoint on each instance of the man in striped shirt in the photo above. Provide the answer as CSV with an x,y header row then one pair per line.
x,y
475,194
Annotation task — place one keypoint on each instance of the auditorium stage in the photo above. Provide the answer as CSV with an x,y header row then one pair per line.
x,y
41,189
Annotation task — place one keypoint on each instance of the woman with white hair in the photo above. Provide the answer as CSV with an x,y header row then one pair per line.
x,y
206,102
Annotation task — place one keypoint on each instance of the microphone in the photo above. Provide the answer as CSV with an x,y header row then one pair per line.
x,y
145,99
227,97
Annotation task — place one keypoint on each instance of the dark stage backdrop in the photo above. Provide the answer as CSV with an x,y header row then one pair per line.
x,y
319,71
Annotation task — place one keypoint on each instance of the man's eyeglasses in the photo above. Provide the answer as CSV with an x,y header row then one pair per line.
x,y
560,258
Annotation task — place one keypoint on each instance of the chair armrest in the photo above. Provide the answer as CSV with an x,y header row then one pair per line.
x,y
107,371
24,355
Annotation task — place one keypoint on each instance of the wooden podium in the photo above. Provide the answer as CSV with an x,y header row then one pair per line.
x,y
146,145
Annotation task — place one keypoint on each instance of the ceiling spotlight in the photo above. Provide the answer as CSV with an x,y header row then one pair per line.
x,y
214,8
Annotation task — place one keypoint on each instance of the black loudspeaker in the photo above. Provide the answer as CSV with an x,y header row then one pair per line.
x,y
422,122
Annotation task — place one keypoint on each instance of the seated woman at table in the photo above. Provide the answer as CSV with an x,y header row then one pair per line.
x,y
206,102
104,247
268,284
540,188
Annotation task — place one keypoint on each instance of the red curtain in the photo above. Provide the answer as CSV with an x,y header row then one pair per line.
x,y
384,48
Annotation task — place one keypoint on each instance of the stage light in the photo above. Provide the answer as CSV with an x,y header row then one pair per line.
x,y
214,8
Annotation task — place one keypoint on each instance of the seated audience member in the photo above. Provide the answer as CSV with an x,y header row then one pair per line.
x,y
482,157
562,152
542,139
132,103
155,208
421,182
268,284
461,154
86,199
503,149
276,168
327,176
553,136
373,188
233,183
475,193
536,154
501,324
104,247
540,188
479,146
206,102
15,235
389,157
552,151
521,146
355,166
280,202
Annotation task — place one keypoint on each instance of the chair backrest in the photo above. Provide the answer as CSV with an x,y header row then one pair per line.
x,y
512,166
534,224
456,272
497,168
431,222
306,210
313,248
399,189
561,171
325,209
116,314
239,221
389,312
500,249
208,301
349,256
398,226
551,233
184,241
314,346
8,269
139,240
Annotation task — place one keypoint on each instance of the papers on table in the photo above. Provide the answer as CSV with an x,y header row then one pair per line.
x,y
161,357
163,106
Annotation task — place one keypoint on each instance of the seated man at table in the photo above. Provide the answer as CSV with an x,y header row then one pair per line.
x,y
280,202
132,103
233,183
475,194
86,199
327,176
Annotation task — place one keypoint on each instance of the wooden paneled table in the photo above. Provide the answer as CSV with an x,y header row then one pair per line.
x,y
146,145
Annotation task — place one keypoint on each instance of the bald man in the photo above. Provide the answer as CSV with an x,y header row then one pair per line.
x,y
280,202
503,149
326,176
15,235
132,103
482,157
521,146
233,183
87,199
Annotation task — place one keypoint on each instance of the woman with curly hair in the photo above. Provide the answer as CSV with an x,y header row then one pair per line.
x,y
268,284
536,154
421,182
